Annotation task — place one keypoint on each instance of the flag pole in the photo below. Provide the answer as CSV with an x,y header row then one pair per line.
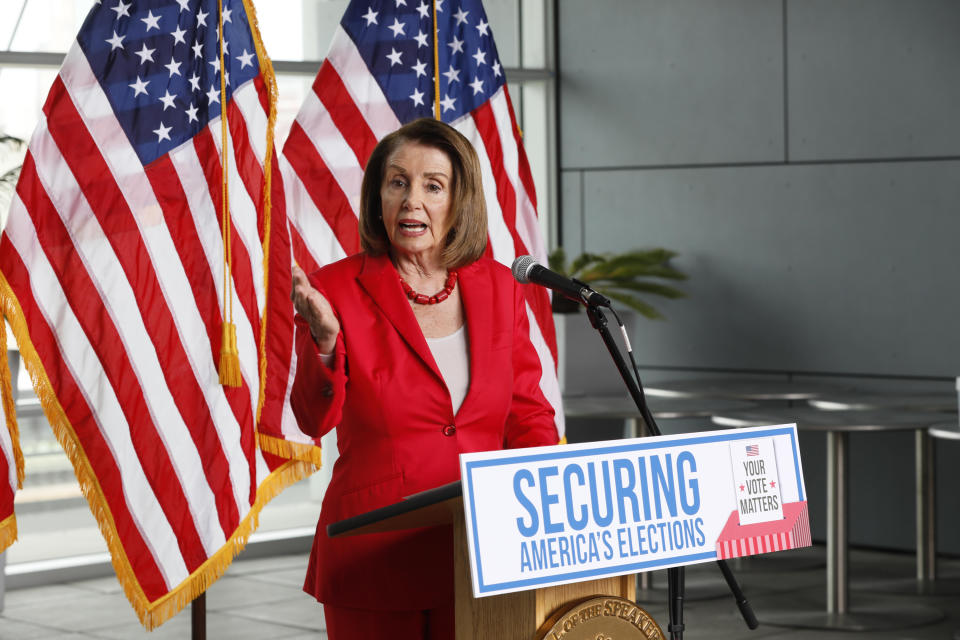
x,y
229,355
436,65
198,617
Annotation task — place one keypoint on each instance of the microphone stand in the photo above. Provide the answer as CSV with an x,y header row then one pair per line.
x,y
675,575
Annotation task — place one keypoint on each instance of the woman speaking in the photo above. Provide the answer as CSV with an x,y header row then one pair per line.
x,y
417,349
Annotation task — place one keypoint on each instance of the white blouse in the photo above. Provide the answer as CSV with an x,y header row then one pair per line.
x,y
452,355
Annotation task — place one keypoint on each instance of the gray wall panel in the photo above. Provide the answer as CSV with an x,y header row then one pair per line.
x,y
873,78
571,194
672,82
830,268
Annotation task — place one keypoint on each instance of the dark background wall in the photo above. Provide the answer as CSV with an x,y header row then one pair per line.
x,y
803,157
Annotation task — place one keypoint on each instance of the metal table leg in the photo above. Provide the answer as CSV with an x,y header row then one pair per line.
x,y
838,593
926,503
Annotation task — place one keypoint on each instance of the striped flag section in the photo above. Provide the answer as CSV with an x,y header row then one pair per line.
x,y
792,532
113,277
11,458
386,66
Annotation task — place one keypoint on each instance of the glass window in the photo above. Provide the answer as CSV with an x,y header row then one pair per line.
x,y
40,25
504,18
537,127
292,89
24,90
317,20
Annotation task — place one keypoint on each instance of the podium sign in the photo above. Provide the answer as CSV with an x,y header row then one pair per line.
x,y
554,515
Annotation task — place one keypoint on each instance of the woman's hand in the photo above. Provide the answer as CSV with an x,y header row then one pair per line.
x,y
315,309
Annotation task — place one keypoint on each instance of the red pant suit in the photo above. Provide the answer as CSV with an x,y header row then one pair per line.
x,y
395,415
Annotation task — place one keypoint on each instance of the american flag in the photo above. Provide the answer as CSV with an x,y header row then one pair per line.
x,y
382,70
112,275
11,458
753,450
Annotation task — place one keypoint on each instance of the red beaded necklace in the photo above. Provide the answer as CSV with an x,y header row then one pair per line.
x,y
440,296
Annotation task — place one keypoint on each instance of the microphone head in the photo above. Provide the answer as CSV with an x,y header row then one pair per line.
x,y
521,268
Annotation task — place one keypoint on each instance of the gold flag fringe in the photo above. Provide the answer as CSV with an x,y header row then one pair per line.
x,y
270,78
200,580
9,406
151,614
65,434
8,531
290,450
229,356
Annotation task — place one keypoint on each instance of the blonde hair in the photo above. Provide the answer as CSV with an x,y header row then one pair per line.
x,y
466,239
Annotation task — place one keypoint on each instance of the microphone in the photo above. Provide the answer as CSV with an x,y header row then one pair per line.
x,y
526,270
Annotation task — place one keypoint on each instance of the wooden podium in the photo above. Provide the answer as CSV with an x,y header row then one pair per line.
x,y
520,615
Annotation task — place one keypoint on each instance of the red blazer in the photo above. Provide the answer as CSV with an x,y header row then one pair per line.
x,y
397,432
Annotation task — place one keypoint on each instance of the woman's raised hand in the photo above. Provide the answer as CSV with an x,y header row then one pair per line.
x,y
315,309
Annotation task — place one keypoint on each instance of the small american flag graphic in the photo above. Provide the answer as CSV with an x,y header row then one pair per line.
x,y
753,450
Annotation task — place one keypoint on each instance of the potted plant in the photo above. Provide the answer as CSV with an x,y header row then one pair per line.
x,y
12,151
620,277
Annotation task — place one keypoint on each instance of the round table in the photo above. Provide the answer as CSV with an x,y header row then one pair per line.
x,y
872,400
756,389
945,431
837,425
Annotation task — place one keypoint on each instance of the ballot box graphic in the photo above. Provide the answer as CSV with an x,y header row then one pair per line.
x,y
791,532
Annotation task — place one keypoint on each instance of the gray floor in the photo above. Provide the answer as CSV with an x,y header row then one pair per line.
x,y
258,598
261,598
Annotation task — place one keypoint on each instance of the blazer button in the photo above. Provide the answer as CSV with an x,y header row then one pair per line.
x,y
327,391
449,430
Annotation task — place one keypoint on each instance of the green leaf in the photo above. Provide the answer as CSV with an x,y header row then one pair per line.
x,y
635,303
584,260
642,256
666,271
645,287
634,271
